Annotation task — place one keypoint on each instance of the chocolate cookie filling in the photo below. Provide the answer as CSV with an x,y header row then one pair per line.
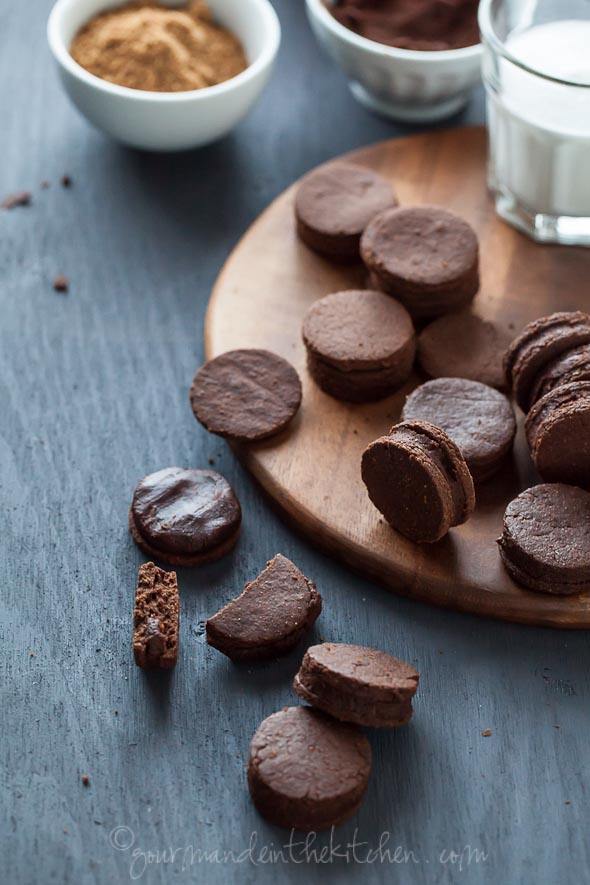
x,y
428,25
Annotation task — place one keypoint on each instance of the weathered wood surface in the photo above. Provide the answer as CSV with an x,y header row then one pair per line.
x,y
94,395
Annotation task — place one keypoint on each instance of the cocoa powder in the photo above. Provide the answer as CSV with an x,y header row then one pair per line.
x,y
144,45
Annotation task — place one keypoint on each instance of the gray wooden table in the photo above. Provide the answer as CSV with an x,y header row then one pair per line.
x,y
94,396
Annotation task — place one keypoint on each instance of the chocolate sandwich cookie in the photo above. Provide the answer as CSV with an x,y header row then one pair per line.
x,y
185,517
418,479
307,771
269,617
478,418
463,345
335,203
571,366
426,257
246,395
545,544
360,344
538,345
558,433
156,619
357,684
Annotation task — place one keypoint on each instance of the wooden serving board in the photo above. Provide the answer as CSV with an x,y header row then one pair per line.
x,y
312,471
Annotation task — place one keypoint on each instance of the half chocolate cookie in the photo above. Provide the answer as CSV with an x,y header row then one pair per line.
x,y
307,771
156,618
269,617
360,344
357,684
538,345
417,478
545,544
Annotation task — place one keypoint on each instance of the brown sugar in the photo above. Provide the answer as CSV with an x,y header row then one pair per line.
x,y
144,45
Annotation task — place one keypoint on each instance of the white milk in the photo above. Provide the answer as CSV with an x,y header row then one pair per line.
x,y
540,131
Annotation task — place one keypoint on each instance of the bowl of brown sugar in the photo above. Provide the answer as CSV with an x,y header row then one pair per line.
x,y
164,76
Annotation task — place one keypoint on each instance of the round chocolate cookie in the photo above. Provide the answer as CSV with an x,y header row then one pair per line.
x,y
307,771
185,517
558,433
545,545
357,684
571,366
478,418
426,257
269,617
335,203
418,479
360,344
537,346
462,345
246,395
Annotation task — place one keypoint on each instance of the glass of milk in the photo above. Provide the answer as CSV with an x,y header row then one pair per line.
x,y
537,76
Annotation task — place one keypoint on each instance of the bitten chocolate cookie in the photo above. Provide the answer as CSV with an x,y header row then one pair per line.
x,y
269,617
335,203
537,346
418,479
360,344
306,770
357,684
156,619
462,345
478,418
185,517
426,257
558,433
545,545
246,395
571,366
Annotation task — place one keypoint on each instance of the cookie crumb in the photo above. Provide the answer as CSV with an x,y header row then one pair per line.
x,y
66,181
486,733
61,283
21,198
85,780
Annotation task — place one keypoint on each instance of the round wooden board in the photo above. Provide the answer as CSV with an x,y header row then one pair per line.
x,y
312,471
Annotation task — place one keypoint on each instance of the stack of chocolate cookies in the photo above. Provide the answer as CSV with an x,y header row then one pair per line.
x,y
309,767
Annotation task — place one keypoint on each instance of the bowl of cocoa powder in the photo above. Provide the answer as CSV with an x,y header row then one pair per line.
x,y
410,60
162,75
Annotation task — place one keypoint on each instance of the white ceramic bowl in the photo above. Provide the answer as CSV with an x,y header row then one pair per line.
x,y
400,83
168,121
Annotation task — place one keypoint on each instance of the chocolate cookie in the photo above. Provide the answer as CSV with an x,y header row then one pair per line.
x,y
558,433
538,345
360,344
269,617
573,365
545,545
462,345
156,619
478,418
185,517
246,395
426,257
418,479
335,203
306,770
357,684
